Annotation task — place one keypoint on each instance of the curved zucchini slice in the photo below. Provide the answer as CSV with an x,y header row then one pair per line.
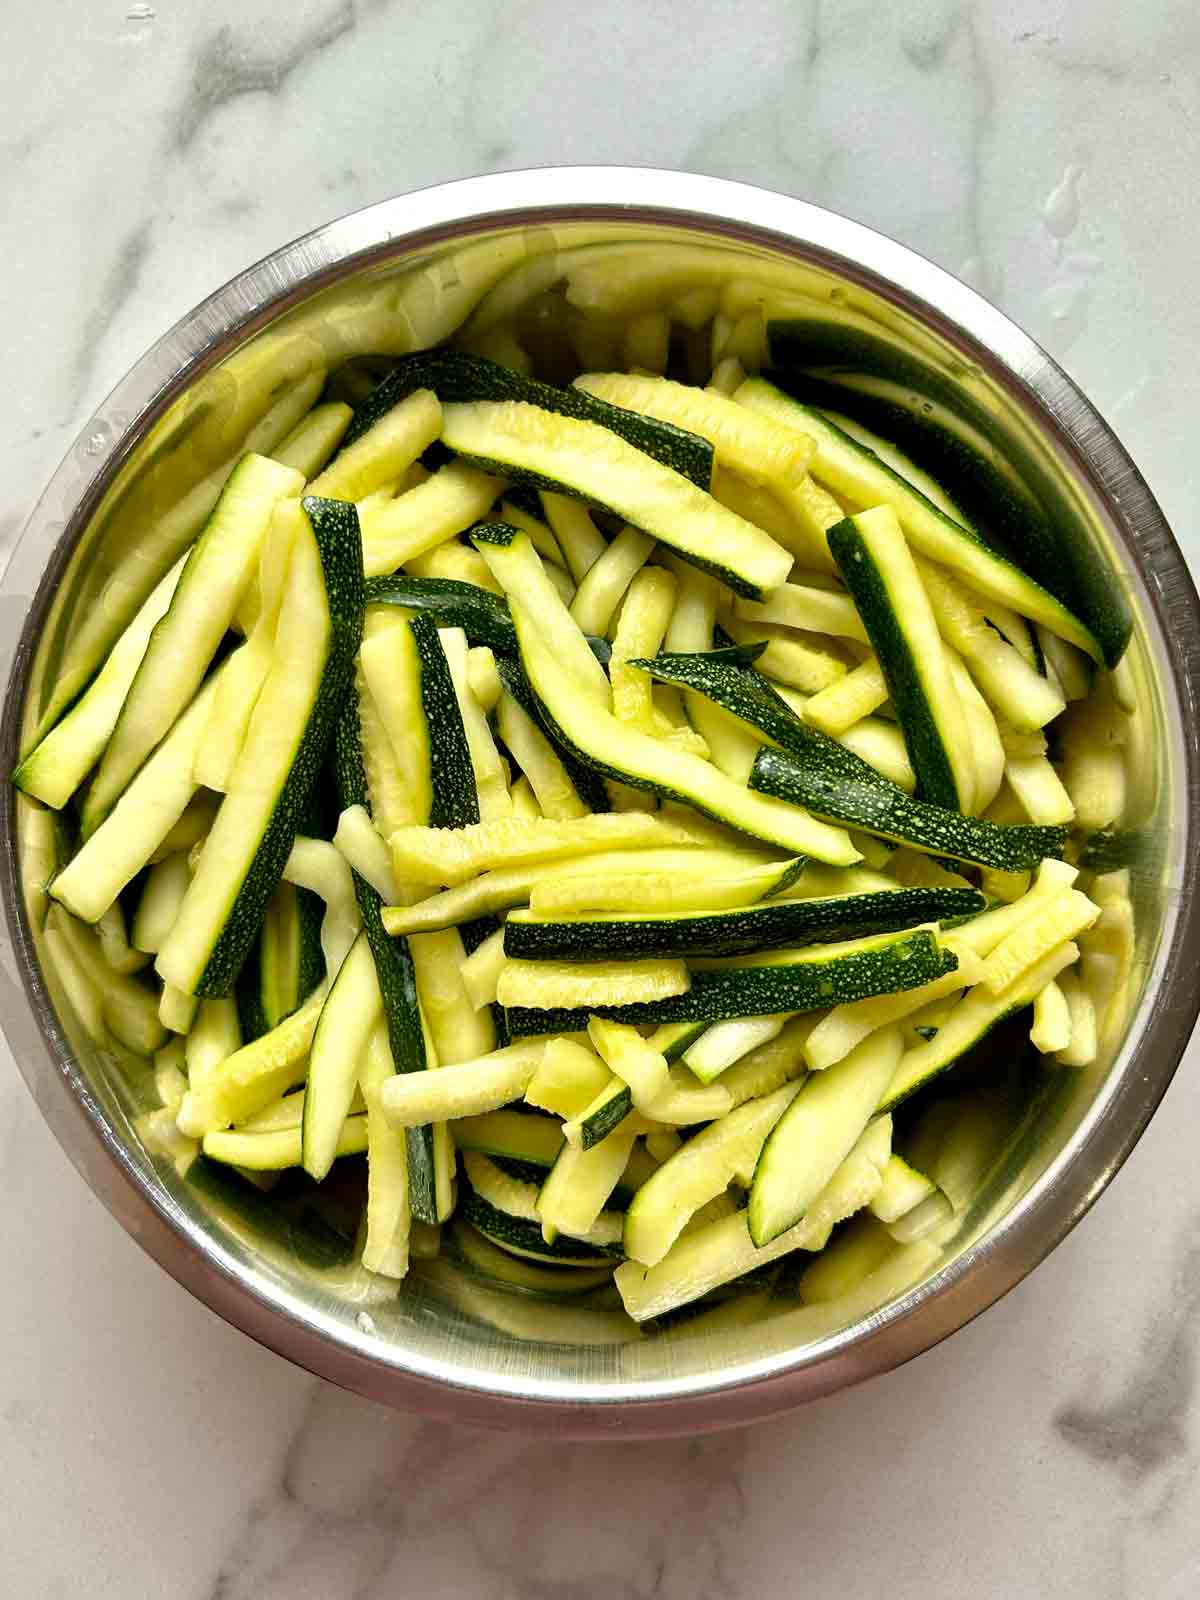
x,y
54,768
705,883
481,615
141,820
455,377
730,933
505,1209
519,570
760,450
242,859
937,421
698,1172
587,785
590,462
858,477
707,1257
833,782
481,1258
785,980
617,751
815,1134
184,642
974,1016
880,573
1009,848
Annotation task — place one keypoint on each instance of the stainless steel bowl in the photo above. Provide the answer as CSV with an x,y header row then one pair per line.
x,y
406,273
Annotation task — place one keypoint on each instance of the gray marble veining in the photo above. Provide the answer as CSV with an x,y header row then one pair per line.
x,y
1045,150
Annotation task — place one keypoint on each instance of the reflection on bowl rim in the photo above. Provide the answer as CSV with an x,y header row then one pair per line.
x,y
1165,596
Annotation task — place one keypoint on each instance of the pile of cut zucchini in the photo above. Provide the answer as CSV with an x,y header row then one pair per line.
x,y
596,814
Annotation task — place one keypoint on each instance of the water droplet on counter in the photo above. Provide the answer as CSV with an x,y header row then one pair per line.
x,y
365,1322
141,13
95,440
1060,208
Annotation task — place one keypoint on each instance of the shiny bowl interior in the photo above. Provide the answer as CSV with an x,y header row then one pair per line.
x,y
407,274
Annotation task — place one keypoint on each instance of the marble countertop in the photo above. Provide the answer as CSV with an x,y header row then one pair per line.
x,y
1044,150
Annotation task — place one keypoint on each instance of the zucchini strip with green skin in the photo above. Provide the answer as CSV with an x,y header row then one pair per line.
x,y
722,1251
858,476
481,615
454,376
760,450
157,537
413,690
734,932
517,1202
427,1178
975,1015
821,774
590,462
243,857
518,1135
698,1172
519,570
54,769
881,575
140,821
185,639
1012,848
792,980
616,751
816,1133
286,963
922,411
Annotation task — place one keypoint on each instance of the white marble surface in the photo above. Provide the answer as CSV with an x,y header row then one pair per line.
x,y
1046,150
